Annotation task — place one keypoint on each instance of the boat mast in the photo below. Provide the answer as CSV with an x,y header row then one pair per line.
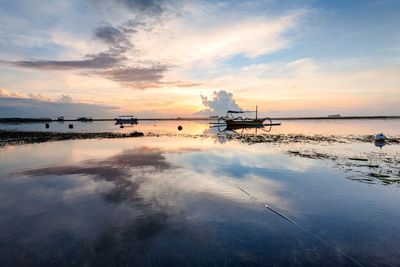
x,y
256,111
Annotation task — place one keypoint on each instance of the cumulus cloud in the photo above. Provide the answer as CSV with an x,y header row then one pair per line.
x,y
65,99
7,93
218,104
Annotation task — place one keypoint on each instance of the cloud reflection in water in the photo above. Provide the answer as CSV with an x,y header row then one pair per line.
x,y
161,206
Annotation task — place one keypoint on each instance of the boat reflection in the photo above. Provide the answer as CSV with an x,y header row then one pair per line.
x,y
379,144
242,129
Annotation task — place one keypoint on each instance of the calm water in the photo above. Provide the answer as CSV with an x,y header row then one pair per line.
x,y
337,127
175,201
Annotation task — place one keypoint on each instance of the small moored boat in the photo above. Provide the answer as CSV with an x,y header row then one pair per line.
x,y
233,119
380,137
126,120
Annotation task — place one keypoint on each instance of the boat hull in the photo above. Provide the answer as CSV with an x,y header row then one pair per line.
x,y
252,122
126,121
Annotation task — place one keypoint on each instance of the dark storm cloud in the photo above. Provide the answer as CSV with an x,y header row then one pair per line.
x,y
99,61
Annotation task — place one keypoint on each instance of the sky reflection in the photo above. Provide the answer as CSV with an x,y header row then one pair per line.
x,y
175,202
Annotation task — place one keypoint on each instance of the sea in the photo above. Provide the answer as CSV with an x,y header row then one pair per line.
x,y
203,196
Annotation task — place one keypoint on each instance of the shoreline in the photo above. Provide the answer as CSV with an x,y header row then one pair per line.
x,y
8,138
11,137
46,120
367,168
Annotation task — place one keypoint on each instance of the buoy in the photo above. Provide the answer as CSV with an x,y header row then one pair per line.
x,y
47,126
70,126
380,137
180,128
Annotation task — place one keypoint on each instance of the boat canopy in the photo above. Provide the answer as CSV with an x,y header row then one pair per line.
x,y
240,111
235,111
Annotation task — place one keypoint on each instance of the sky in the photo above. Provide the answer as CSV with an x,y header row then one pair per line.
x,y
198,58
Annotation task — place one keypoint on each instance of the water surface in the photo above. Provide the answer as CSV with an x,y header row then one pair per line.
x,y
174,201
324,127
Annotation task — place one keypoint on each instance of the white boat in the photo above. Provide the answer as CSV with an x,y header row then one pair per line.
x,y
126,120
380,137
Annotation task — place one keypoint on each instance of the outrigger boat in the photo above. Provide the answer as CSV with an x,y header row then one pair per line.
x,y
121,120
232,120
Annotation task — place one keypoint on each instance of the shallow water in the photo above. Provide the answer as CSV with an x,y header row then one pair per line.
x,y
324,127
175,201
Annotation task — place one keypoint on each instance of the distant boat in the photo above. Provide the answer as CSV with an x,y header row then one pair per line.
x,y
85,119
126,120
60,118
334,116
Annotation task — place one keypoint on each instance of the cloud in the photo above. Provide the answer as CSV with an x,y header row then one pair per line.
x,y
202,38
7,93
109,64
150,6
116,38
134,74
28,105
65,99
221,102
99,61
147,7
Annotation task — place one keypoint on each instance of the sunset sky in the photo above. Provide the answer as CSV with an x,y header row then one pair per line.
x,y
192,58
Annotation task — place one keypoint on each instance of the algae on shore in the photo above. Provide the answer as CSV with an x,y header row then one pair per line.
x,y
19,138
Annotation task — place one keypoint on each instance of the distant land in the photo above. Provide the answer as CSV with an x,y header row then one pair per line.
x,y
42,120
